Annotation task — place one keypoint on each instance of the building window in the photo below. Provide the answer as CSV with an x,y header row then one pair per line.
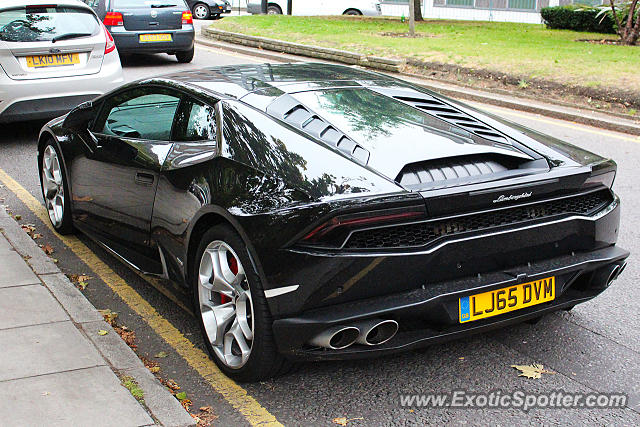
x,y
522,4
466,3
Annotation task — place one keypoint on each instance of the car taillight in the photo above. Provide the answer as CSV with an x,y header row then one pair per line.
x,y
110,46
113,19
334,231
187,17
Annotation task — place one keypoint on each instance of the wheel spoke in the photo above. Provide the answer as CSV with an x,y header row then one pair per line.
x,y
221,315
235,335
244,315
222,276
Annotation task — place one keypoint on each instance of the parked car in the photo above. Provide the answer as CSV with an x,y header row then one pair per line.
x,y
205,9
319,211
52,58
318,7
149,26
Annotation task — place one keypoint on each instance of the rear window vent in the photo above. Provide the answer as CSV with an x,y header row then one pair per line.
x,y
289,110
454,116
455,171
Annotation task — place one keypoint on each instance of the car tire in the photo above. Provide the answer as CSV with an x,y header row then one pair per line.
x,y
352,12
201,11
223,319
186,56
55,188
274,10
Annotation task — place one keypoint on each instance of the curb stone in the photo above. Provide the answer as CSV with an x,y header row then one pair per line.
x,y
121,359
258,46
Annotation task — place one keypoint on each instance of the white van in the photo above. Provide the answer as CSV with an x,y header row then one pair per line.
x,y
318,7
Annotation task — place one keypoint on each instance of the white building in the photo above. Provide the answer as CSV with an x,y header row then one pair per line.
x,y
525,11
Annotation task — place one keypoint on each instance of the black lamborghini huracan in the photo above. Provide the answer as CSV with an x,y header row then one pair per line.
x,y
323,212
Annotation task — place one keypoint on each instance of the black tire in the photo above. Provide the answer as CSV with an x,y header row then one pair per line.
x,y
274,9
66,227
352,12
264,361
202,10
186,56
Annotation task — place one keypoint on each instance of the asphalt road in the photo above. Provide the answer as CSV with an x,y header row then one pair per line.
x,y
595,347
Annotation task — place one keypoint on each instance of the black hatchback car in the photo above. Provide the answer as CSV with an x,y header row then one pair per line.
x,y
317,211
205,9
149,26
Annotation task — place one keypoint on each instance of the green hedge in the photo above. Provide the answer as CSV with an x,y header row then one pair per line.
x,y
577,18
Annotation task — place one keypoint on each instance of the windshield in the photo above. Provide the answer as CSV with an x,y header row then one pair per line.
x,y
44,23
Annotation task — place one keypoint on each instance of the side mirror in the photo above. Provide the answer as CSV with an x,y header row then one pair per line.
x,y
79,117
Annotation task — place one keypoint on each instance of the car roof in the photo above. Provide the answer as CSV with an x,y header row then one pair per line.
x,y
238,81
8,4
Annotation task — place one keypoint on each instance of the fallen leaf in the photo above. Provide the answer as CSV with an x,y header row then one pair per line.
x,y
36,235
83,278
82,285
161,355
172,385
181,396
108,315
533,371
102,332
342,421
154,369
47,249
18,217
205,408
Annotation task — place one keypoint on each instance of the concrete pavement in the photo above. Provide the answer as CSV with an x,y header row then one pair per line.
x,y
55,369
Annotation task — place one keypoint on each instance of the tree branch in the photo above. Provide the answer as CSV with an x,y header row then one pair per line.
x,y
616,18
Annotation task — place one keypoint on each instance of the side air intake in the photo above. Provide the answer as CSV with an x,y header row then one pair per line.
x,y
289,110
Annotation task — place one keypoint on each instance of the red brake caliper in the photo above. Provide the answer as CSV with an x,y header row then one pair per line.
x,y
233,266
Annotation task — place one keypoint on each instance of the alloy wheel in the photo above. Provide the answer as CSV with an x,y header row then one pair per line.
x,y
201,11
225,304
53,186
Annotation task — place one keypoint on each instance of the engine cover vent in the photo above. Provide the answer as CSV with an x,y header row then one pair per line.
x,y
455,171
454,116
291,111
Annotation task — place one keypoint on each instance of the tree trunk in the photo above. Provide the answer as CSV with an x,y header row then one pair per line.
x,y
412,19
418,9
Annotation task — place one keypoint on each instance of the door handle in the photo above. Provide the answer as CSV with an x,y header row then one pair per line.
x,y
144,178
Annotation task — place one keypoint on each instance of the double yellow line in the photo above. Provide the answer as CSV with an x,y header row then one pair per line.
x,y
235,395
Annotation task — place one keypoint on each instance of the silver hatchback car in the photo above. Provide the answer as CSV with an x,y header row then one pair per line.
x,y
52,58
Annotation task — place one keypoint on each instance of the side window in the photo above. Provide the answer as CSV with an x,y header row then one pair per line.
x,y
144,113
196,122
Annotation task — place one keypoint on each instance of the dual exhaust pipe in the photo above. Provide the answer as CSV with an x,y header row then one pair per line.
x,y
365,332
606,275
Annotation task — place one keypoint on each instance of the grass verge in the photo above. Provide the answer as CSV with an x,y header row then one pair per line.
x,y
528,51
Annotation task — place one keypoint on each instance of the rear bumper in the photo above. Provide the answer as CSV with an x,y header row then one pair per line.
x,y
430,315
51,97
129,41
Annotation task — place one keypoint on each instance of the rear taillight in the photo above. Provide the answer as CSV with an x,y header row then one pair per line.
x,y
334,231
110,46
187,17
113,19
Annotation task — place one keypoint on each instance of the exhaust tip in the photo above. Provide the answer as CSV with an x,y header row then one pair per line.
x,y
613,275
336,338
621,269
376,332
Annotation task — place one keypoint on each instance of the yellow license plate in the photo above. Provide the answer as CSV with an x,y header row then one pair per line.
x,y
150,38
58,60
504,300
